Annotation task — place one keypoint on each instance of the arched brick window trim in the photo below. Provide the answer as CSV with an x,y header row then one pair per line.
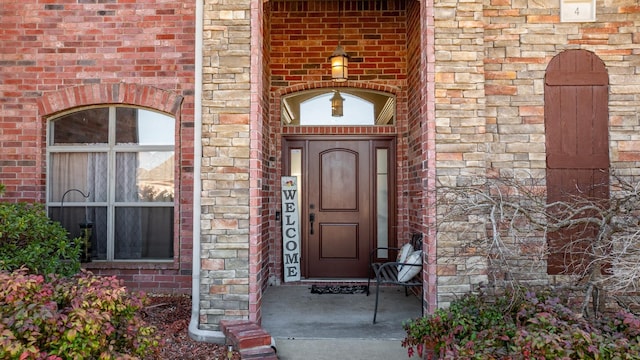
x,y
103,94
330,84
118,94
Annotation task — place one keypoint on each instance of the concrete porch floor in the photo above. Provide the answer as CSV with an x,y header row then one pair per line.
x,y
337,326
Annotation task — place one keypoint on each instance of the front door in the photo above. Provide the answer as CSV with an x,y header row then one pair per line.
x,y
339,190
340,204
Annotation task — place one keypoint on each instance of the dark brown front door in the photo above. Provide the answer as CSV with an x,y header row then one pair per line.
x,y
340,200
339,181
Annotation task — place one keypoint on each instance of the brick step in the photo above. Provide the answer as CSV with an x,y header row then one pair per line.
x,y
261,352
249,339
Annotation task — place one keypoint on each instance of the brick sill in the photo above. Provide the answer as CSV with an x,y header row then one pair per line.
x,y
151,265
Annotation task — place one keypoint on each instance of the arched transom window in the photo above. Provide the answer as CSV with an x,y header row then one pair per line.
x,y
317,107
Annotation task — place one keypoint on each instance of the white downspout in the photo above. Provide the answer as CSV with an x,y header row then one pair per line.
x,y
194,331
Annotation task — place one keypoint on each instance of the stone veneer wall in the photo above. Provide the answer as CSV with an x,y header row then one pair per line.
x,y
226,163
488,68
461,135
491,58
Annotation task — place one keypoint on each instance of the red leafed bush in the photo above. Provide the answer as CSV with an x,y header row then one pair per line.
x,y
525,325
81,317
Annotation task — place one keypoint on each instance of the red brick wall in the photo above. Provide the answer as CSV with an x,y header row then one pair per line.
x,y
304,34
413,178
60,54
263,192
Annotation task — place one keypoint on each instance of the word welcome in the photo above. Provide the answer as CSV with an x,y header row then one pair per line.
x,y
290,229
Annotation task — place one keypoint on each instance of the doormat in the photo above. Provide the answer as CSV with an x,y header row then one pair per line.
x,y
339,289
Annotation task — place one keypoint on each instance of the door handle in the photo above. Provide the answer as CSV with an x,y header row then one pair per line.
x,y
312,218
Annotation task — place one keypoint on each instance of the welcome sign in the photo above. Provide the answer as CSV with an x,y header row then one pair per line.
x,y
290,229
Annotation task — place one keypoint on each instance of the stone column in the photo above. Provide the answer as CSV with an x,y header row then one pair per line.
x,y
224,221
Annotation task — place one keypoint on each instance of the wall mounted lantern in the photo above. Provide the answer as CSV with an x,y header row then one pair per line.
x,y
337,104
339,59
339,65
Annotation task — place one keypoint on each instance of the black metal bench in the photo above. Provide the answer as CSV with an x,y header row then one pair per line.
x,y
387,272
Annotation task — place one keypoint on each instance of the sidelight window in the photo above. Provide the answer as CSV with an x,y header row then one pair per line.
x,y
382,201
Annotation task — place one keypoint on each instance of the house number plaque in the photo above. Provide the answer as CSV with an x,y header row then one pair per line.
x,y
577,10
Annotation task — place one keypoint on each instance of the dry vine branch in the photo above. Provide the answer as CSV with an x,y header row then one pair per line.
x,y
516,216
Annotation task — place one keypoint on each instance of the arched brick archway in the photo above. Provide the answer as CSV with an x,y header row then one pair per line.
x,y
329,84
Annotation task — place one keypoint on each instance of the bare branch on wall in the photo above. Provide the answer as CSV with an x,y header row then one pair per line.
x,y
508,224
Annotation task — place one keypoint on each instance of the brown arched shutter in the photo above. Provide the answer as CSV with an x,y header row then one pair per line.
x,y
577,144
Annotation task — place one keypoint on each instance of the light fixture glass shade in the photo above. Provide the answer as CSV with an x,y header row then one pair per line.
x,y
337,104
339,65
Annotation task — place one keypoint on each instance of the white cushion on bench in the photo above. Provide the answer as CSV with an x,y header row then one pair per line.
x,y
403,254
406,273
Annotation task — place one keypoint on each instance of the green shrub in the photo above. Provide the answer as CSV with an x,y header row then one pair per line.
x,y
28,238
79,317
527,326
